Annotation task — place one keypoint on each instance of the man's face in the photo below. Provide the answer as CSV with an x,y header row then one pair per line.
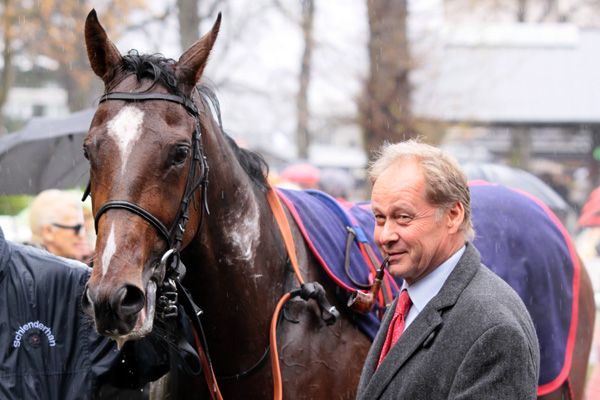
x,y
408,228
64,239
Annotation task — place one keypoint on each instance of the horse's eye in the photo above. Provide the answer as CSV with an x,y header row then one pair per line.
x,y
85,153
180,155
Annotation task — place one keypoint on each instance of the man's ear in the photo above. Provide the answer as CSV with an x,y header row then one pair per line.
x,y
455,215
47,234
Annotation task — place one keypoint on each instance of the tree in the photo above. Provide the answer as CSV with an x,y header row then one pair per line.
x,y
302,128
6,77
189,22
54,29
384,111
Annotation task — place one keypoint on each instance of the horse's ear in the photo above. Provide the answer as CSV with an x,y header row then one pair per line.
x,y
191,63
102,53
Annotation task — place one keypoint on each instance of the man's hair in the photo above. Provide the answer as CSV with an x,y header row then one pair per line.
x,y
49,207
446,183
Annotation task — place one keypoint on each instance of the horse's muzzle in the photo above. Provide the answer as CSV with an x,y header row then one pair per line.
x,y
115,312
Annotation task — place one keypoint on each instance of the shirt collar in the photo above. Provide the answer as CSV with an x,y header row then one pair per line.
x,y
425,289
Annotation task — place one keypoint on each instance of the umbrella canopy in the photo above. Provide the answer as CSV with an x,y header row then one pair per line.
x,y
522,180
46,154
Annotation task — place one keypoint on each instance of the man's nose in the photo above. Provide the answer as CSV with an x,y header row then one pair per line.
x,y
388,233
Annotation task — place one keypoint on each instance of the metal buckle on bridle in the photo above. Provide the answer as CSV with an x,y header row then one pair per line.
x,y
166,305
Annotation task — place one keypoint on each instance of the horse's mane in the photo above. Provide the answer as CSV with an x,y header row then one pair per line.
x,y
160,70
253,163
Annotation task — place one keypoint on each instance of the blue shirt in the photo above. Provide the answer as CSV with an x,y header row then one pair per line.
x,y
422,291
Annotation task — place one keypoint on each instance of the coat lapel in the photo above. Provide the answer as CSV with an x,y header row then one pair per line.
x,y
410,341
429,320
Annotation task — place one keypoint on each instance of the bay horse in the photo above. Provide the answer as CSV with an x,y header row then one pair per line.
x,y
166,181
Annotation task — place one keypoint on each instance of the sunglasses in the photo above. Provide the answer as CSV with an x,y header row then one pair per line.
x,y
75,228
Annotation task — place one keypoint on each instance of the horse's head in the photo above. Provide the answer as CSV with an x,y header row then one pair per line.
x,y
146,159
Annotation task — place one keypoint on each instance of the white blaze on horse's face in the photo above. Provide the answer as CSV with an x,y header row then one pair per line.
x,y
109,250
126,128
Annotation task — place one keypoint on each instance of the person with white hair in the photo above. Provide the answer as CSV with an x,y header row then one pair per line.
x,y
57,224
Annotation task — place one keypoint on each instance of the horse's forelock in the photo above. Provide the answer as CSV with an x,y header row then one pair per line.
x,y
155,67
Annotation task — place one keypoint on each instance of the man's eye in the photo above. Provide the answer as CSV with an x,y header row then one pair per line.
x,y
404,218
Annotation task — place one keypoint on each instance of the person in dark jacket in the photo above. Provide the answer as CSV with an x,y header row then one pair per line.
x,y
49,348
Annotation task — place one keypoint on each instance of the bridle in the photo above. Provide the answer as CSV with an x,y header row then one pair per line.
x,y
197,178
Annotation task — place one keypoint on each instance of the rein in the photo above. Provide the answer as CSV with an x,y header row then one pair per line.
x,y
311,290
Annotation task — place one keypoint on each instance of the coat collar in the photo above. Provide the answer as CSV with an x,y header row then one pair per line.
x,y
423,329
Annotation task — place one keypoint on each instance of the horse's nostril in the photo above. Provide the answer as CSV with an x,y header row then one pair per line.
x,y
128,301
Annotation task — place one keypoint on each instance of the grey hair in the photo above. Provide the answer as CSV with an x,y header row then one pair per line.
x,y
49,207
446,183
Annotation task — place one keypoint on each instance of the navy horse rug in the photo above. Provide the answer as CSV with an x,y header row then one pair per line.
x,y
519,238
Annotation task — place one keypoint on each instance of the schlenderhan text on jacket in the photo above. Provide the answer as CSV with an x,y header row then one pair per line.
x,y
33,325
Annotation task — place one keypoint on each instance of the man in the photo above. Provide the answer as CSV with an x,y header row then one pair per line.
x,y
57,224
456,330
49,348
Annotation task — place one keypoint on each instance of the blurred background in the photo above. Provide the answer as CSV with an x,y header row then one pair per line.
x,y
510,88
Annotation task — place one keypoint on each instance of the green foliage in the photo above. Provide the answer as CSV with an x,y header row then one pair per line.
x,y
12,205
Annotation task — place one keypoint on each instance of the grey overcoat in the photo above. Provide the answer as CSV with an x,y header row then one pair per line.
x,y
474,340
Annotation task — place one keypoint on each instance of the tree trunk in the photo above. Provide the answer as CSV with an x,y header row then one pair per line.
x,y
7,71
384,111
189,22
520,148
302,129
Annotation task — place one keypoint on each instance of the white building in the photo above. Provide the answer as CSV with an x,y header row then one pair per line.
x,y
24,103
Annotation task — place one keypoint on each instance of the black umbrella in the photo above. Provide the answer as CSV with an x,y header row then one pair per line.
x,y
46,154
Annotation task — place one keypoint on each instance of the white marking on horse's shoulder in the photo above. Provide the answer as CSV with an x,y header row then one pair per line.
x,y
109,250
125,129
243,226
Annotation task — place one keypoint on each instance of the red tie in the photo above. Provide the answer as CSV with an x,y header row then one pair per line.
x,y
397,324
